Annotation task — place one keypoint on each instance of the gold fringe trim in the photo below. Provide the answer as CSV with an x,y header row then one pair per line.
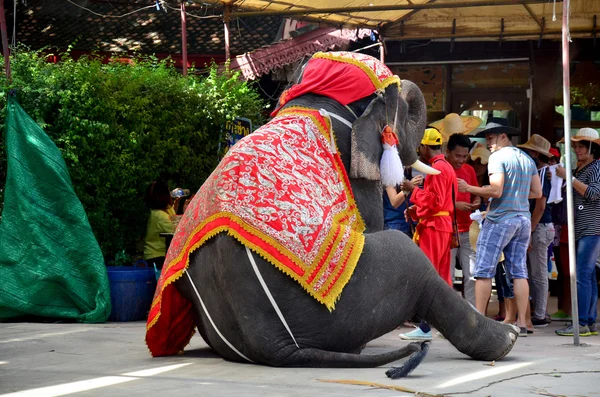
x,y
380,85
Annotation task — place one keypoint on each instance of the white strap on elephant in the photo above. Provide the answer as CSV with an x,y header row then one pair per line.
x,y
267,292
339,118
187,272
271,299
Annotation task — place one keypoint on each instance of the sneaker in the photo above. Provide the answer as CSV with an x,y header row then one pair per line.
x,y
416,334
593,329
568,331
522,332
560,315
539,322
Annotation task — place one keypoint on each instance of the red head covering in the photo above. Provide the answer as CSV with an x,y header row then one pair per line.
x,y
343,76
554,152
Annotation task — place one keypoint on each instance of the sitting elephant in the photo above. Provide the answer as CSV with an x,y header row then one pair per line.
x,y
299,201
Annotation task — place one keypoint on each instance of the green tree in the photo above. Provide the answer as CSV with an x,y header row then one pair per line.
x,y
121,126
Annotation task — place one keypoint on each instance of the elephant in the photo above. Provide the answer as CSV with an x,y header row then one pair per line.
x,y
248,310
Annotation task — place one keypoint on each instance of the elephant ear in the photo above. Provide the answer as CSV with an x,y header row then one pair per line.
x,y
412,119
366,149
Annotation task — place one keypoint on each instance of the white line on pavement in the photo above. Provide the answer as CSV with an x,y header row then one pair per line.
x,y
89,384
483,374
45,335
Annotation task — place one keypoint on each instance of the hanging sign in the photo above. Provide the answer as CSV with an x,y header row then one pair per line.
x,y
236,129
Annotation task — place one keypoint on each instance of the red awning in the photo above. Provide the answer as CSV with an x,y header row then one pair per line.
x,y
262,61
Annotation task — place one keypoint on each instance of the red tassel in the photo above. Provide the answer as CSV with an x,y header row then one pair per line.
x,y
388,136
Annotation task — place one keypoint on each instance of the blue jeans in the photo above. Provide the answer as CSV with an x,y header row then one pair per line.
x,y
587,250
403,226
510,236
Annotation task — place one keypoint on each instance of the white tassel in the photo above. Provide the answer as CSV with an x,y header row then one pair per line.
x,y
392,171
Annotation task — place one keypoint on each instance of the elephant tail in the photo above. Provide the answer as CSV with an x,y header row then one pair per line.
x,y
312,357
413,362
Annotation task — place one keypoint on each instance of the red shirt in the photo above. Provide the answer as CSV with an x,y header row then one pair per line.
x,y
436,196
467,173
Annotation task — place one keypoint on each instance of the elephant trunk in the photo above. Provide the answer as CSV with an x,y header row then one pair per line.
x,y
462,325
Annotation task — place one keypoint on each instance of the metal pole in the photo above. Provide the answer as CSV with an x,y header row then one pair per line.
x,y
530,95
5,50
436,37
567,127
454,62
226,17
376,8
184,59
366,47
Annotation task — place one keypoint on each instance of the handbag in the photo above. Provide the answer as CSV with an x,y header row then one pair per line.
x,y
559,210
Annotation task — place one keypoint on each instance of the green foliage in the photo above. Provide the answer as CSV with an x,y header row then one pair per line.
x,y
587,96
122,259
120,126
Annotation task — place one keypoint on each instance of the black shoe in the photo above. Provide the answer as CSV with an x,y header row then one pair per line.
x,y
522,332
539,322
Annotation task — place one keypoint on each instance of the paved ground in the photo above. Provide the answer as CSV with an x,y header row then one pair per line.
x,y
112,360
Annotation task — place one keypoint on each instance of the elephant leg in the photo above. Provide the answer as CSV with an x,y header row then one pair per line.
x,y
462,325
399,282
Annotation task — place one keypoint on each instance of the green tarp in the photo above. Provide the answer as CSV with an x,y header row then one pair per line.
x,y
50,262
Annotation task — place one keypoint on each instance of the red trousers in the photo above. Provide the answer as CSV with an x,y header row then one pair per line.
x,y
436,246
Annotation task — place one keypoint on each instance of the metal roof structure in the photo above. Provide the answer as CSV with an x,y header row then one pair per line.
x,y
433,19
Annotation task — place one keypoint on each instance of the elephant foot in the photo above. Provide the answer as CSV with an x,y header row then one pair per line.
x,y
413,361
513,335
493,341
469,331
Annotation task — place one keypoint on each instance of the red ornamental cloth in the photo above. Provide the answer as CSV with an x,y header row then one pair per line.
x,y
283,192
436,196
343,76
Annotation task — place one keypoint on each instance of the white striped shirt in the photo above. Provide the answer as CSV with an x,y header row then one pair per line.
x,y
587,207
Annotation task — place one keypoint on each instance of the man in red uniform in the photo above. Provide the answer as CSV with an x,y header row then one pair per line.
x,y
433,209
457,151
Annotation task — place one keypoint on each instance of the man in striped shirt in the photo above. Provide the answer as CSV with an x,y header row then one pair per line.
x,y
507,228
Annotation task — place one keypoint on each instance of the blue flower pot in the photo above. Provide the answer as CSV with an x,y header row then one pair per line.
x,y
131,292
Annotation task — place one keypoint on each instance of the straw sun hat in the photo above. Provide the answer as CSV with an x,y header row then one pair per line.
x,y
455,124
538,144
482,153
585,134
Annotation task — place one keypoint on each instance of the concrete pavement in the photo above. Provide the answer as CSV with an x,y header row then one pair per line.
x,y
112,360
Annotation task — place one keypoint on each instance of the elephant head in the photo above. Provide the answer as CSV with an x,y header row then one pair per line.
x,y
365,91
402,107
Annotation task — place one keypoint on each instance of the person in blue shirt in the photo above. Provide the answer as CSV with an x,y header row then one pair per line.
x,y
394,205
507,229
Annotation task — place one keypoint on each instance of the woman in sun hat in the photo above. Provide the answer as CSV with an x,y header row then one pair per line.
x,y
542,232
456,124
586,200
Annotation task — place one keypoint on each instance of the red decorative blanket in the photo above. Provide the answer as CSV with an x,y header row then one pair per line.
x,y
283,192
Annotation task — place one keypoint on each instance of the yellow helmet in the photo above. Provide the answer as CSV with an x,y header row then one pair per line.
x,y
432,137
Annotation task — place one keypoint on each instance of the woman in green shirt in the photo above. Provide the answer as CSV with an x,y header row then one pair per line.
x,y
160,202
